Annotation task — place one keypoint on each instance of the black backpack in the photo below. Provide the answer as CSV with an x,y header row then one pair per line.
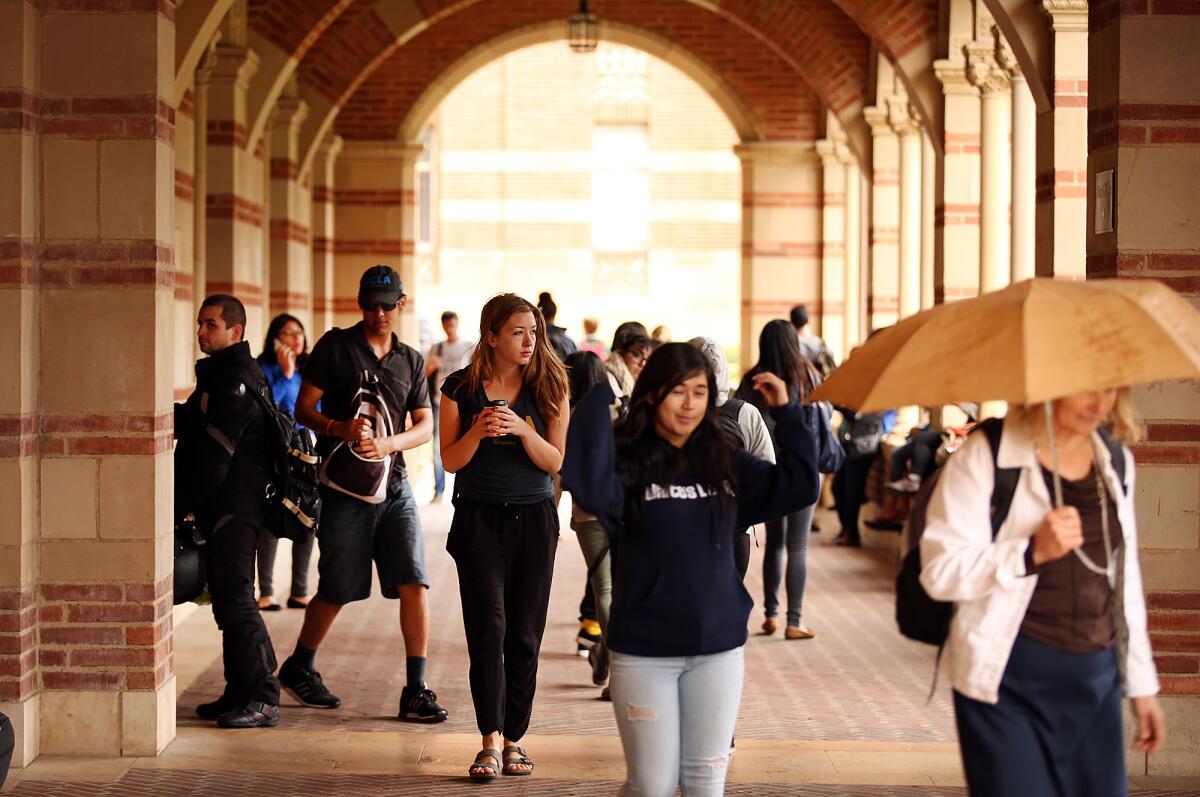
x,y
293,488
729,412
919,616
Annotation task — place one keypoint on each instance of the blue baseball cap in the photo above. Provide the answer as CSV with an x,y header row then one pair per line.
x,y
380,284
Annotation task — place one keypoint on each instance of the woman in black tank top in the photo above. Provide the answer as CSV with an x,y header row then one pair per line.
x,y
504,428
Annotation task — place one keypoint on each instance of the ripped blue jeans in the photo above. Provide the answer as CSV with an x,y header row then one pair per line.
x,y
676,718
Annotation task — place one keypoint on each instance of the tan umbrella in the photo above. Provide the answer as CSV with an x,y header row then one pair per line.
x,y
1031,342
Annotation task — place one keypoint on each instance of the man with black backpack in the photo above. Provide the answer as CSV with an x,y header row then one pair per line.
x,y
221,478
366,383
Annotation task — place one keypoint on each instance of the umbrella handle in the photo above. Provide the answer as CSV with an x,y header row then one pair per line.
x,y
1058,496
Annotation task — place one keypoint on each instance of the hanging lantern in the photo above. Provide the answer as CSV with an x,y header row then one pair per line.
x,y
583,29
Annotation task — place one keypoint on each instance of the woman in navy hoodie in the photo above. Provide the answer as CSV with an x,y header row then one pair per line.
x,y
670,488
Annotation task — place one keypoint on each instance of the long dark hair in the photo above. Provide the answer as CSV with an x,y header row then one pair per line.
x,y
642,455
779,354
584,371
268,356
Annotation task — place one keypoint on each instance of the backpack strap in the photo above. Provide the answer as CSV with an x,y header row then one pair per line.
x,y
1117,452
1004,485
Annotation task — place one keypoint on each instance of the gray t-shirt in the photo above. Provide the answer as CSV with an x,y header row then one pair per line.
x,y
454,356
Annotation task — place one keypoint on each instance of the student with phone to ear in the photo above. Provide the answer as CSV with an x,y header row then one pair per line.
x,y
504,429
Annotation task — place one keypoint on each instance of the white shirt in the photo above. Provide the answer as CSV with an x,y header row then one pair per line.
x,y
986,579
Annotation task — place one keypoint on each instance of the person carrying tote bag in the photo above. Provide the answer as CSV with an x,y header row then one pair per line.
x,y
351,472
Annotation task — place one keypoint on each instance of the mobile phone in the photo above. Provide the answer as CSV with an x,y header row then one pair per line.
x,y
496,403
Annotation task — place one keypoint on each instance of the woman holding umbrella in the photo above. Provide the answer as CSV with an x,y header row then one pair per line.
x,y
1049,621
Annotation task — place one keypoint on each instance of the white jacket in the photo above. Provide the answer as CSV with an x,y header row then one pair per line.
x,y
986,580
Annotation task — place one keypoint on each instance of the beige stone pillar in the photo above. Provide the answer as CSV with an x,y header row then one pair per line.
x,y
20,361
995,261
234,222
833,243
855,289
1024,176
199,276
958,217
1146,137
908,130
323,233
781,234
928,222
91,578
290,211
1062,145
373,216
883,302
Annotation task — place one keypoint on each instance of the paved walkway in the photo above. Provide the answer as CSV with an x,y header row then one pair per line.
x,y
842,714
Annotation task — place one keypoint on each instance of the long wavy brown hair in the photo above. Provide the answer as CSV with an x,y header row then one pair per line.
x,y
545,374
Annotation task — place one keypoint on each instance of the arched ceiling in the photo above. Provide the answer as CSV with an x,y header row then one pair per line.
x,y
783,104
818,47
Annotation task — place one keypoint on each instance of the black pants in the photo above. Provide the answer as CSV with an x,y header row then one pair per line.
x,y
850,492
916,456
249,657
505,558
8,742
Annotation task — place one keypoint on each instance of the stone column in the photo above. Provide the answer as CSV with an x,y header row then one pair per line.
x,y
1062,145
855,289
290,252
234,221
373,215
833,243
1146,133
87,480
958,217
883,302
995,266
1024,172
908,129
199,193
928,223
781,234
20,360
323,234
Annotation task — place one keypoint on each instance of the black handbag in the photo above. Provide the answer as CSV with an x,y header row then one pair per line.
x,y
830,453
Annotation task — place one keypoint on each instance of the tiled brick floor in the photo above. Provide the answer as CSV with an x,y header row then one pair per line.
x,y
185,783
857,680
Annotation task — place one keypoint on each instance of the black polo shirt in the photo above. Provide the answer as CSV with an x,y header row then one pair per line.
x,y
335,366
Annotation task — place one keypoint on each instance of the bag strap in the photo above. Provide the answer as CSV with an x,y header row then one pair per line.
x,y
1117,452
1004,485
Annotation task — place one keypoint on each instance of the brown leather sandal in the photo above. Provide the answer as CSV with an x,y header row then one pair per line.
x,y
480,769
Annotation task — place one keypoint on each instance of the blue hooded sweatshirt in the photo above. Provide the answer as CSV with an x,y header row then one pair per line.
x,y
676,590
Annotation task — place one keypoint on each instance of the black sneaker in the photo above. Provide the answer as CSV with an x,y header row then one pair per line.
x,y
222,705
598,658
420,705
306,687
255,714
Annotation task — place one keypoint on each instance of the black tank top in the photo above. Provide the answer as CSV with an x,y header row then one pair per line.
x,y
501,471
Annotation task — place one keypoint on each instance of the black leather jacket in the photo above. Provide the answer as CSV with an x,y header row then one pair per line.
x,y
220,462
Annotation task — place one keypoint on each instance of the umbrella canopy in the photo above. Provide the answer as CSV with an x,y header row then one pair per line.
x,y
1034,341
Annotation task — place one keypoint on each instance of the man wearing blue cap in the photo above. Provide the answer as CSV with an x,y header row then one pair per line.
x,y
356,530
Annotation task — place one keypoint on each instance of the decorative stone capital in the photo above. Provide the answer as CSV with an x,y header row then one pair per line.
x,y
330,147
953,77
208,61
233,65
289,114
776,153
902,117
1067,16
877,119
983,70
1005,58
